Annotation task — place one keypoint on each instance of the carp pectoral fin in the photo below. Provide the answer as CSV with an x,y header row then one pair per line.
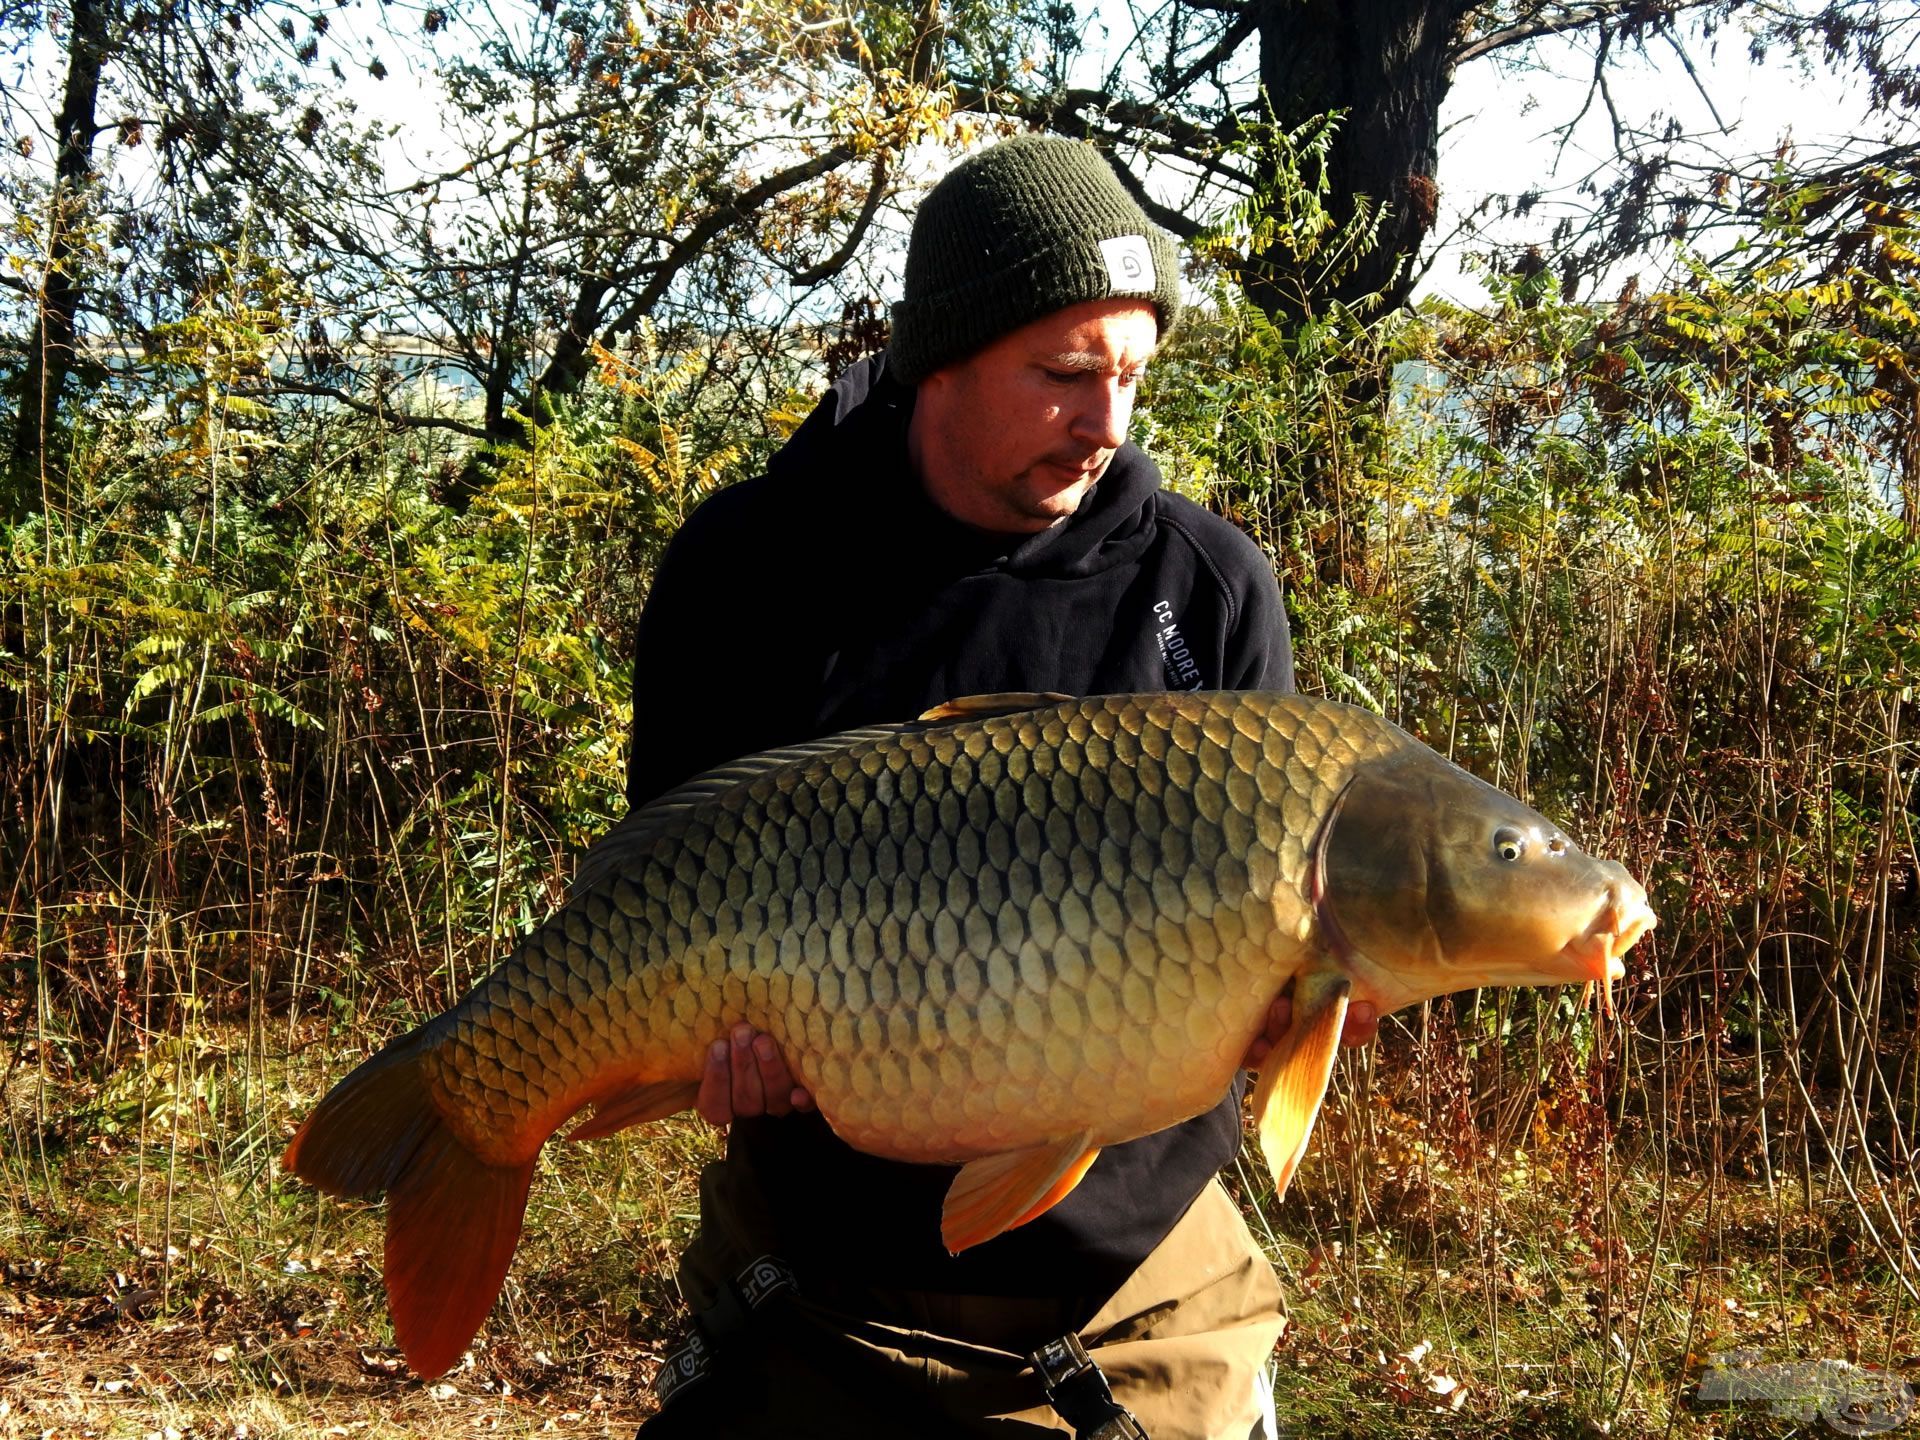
x,y
1293,1082
636,1107
997,1193
1006,702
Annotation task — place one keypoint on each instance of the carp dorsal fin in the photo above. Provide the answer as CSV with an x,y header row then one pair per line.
x,y
1004,702
997,1193
1293,1082
641,827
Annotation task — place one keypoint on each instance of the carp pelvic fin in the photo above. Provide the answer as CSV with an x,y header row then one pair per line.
x,y
979,707
452,1219
637,1106
1293,1082
997,1193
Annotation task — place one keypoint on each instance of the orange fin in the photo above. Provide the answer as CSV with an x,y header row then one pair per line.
x,y
635,1107
452,1223
1062,1188
1293,1082
1006,702
452,1219
365,1130
1000,1192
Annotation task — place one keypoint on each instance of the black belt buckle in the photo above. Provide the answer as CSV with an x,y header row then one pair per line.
x,y
1079,1392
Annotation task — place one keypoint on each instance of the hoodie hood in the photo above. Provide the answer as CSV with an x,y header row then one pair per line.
x,y
851,454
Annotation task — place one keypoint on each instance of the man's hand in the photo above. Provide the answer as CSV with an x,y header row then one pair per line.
x,y
1362,1028
747,1076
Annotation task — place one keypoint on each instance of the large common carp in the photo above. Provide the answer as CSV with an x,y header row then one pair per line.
x,y
1000,937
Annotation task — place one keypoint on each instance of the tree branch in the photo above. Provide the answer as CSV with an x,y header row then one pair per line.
x,y
1235,35
1163,216
567,364
837,261
1049,111
285,385
1080,113
1593,88
1538,25
1694,75
729,212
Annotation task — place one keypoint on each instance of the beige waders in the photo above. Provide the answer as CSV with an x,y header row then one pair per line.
x,y
1184,1342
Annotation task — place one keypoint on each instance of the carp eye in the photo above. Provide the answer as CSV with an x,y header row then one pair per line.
x,y
1508,843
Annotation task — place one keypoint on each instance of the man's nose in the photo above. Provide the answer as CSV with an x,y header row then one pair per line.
x,y
1104,414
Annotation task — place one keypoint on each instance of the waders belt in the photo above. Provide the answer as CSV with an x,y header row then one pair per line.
x,y
765,1278
1076,1388
1080,1393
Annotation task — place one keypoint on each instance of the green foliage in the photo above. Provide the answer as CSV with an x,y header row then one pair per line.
x,y
1287,218
261,673
1655,565
294,736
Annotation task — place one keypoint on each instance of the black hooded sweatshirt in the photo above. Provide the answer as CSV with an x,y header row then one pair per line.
x,y
830,593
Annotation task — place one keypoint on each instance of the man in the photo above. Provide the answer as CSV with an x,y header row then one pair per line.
x,y
958,516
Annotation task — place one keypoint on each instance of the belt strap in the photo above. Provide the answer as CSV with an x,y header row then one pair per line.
x,y
1079,1393
764,1279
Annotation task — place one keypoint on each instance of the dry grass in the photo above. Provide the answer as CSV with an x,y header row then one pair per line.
x,y
1575,1278
161,1278
160,1275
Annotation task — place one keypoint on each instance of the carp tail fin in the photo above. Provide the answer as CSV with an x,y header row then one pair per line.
x,y
452,1224
452,1219
1293,1082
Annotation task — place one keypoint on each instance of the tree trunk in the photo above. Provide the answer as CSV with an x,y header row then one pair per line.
x,y
50,353
1384,63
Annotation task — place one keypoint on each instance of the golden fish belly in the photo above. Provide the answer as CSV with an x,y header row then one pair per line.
x,y
966,938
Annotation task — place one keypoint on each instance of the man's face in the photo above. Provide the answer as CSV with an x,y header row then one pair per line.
x,y
1012,437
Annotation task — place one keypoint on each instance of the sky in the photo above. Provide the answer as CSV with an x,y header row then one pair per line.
x,y
1497,128
1497,122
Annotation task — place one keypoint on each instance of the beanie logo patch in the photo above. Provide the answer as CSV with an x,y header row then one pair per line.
x,y
1129,265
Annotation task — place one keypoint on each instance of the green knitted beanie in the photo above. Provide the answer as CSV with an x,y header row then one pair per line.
x,y
1016,232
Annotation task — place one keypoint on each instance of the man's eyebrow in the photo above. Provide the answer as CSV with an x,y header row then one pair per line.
x,y
1089,362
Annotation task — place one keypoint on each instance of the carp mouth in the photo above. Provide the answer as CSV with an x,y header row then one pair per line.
x,y
1595,954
